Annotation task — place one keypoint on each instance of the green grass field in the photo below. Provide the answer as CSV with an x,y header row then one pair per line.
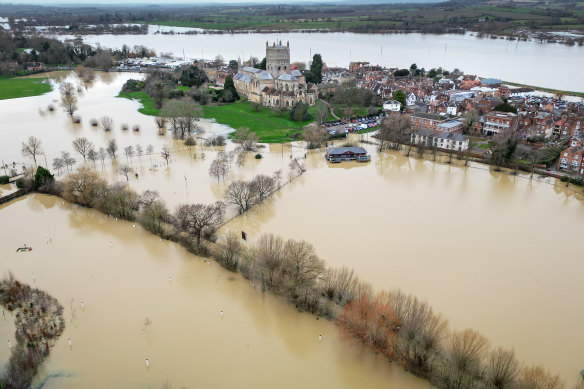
x,y
269,126
12,88
146,101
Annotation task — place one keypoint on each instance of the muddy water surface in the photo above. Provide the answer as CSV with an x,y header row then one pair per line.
x,y
133,312
490,251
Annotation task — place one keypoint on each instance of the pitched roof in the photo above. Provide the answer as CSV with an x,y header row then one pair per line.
x,y
286,77
342,150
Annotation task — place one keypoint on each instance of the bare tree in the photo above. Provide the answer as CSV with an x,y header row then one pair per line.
x,y
219,168
107,123
305,268
112,148
92,155
229,251
67,159
68,98
277,178
183,115
160,124
84,73
393,130
263,186
315,136
248,140
139,152
83,146
241,194
195,218
125,171
502,369
296,167
465,353
219,61
165,153
150,151
58,164
536,377
129,151
32,148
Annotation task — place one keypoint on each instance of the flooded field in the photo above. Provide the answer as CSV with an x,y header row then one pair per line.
x,y
489,251
133,312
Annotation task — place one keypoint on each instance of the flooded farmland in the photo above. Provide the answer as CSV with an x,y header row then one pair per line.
x,y
133,312
489,251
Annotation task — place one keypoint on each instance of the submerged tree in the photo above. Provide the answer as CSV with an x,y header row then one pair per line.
x,y
193,219
32,148
68,97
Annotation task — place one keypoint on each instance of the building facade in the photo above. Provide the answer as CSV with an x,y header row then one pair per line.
x,y
278,85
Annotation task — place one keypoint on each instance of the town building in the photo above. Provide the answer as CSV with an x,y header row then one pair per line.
x,y
495,122
435,123
392,106
278,85
572,159
445,140
338,154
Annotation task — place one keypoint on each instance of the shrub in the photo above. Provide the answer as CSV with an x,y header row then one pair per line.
x,y
125,126
258,156
93,122
136,128
50,107
20,183
4,180
43,177
76,119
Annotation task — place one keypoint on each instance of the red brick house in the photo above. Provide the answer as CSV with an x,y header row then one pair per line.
x,y
572,159
496,122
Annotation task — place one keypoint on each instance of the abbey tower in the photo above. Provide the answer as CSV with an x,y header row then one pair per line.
x,y
277,58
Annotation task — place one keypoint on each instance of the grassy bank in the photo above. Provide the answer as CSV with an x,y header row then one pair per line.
x,y
13,88
146,101
271,127
549,90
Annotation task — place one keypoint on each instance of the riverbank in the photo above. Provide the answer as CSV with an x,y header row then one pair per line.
x,y
17,87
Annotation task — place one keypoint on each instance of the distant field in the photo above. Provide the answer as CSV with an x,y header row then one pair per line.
x,y
425,17
12,88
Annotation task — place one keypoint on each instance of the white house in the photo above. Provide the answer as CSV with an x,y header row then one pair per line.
x,y
392,105
411,99
445,140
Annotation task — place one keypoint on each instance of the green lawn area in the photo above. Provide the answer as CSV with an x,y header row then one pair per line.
x,y
146,101
12,88
268,125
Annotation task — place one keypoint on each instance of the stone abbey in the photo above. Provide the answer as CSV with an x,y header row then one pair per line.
x,y
278,85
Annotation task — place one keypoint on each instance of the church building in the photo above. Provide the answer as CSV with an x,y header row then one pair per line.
x,y
278,85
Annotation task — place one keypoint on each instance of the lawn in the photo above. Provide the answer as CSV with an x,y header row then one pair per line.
x,y
12,88
269,126
146,101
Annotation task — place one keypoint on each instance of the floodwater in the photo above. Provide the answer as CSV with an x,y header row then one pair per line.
x,y
133,312
186,179
523,62
490,251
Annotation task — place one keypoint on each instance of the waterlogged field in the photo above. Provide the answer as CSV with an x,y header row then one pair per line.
x,y
489,251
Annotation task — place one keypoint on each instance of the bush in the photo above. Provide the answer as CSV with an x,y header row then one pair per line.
x,y
4,180
76,119
258,156
20,183
125,127
43,177
93,122
136,128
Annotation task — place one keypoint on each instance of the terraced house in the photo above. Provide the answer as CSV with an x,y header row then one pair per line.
x,y
278,85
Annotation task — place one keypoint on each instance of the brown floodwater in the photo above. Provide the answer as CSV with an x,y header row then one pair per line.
x,y
133,312
490,251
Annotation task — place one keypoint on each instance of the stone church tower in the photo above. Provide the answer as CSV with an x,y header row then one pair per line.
x,y
277,58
